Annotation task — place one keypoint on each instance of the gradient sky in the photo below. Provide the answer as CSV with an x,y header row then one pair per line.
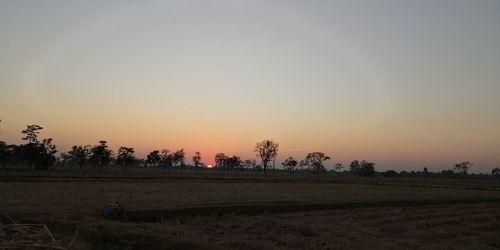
x,y
406,84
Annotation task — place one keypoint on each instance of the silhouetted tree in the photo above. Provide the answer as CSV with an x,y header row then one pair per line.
x,y
41,155
100,155
178,159
426,171
4,153
315,161
64,160
496,172
30,150
447,172
355,167
267,150
125,157
302,165
79,155
367,168
31,133
221,161
290,164
47,151
233,163
463,167
338,167
7,153
197,160
153,158
167,159
390,173
363,168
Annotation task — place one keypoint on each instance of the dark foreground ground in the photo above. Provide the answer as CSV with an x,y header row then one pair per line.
x,y
257,214
458,226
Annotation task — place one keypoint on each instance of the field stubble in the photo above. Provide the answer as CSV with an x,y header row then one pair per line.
x,y
72,205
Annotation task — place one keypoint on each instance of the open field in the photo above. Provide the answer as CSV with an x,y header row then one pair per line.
x,y
459,226
81,196
433,227
203,212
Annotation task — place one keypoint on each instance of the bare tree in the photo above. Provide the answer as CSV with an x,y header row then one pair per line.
x,y
463,167
267,150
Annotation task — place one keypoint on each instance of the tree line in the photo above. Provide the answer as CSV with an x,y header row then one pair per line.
x,y
41,154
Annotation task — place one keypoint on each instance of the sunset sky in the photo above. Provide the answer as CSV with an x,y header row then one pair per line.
x,y
406,84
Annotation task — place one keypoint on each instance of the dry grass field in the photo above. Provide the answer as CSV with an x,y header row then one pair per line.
x,y
459,226
259,214
434,227
90,196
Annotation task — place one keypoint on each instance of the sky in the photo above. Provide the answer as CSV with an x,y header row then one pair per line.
x,y
405,84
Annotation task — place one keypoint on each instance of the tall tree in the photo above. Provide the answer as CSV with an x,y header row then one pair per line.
x,y
197,160
178,159
267,150
101,155
315,161
41,155
31,133
221,161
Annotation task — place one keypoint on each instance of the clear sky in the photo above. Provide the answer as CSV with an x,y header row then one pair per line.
x,y
406,84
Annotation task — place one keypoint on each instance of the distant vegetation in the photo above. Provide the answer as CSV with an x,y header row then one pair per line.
x,y
39,154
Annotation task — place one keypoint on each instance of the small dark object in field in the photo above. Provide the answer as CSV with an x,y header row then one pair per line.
x,y
113,211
